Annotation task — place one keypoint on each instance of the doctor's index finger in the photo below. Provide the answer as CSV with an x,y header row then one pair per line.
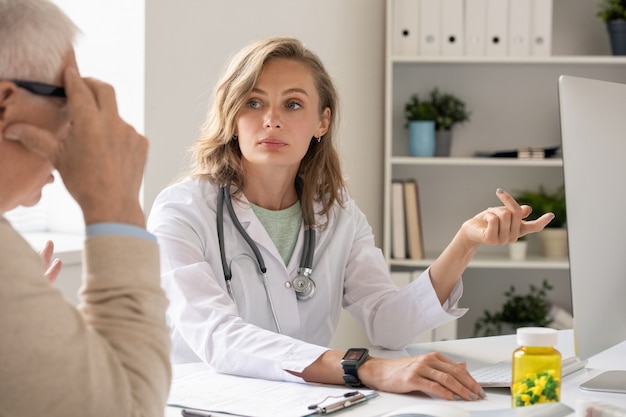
x,y
507,199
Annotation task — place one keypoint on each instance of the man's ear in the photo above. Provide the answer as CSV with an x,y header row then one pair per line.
x,y
8,95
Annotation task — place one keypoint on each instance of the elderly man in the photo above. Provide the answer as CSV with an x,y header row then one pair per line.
x,y
109,357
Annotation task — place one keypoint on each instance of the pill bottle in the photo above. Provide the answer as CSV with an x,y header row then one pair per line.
x,y
536,373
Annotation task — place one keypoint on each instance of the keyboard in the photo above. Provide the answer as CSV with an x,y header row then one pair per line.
x,y
499,374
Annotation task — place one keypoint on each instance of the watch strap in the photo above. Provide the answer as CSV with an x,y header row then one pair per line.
x,y
351,376
351,368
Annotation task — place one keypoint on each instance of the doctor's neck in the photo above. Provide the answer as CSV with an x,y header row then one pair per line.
x,y
271,193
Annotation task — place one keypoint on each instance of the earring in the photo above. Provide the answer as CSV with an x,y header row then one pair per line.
x,y
319,139
235,137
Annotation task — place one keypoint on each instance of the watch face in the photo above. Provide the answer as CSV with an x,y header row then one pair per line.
x,y
351,361
354,354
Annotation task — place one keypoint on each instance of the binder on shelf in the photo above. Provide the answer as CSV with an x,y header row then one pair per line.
x,y
541,28
475,27
519,27
497,27
415,243
398,225
430,27
405,27
452,31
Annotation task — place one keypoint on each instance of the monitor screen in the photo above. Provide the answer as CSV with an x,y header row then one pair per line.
x,y
593,130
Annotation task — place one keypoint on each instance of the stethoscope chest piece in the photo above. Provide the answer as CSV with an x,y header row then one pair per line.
x,y
303,285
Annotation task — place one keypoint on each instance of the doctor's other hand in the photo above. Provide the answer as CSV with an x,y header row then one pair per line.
x,y
503,224
431,373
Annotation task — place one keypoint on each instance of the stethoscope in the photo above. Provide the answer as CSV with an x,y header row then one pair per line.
x,y
303,284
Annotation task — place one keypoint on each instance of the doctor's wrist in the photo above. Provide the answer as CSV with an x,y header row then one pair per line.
x,y
370,372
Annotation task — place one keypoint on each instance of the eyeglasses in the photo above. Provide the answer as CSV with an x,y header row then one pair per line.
x,y
41,89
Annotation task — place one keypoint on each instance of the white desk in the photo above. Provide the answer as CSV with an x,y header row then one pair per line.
x,y
481,351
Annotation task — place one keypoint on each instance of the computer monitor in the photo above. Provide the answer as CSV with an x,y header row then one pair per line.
x,y
593,132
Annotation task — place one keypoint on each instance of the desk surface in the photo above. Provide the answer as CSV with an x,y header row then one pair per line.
x,y
480,351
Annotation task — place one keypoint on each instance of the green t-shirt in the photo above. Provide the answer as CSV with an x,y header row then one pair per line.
x,y
282,226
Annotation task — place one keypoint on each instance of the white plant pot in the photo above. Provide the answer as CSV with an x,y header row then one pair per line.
x,y
517,250
554,242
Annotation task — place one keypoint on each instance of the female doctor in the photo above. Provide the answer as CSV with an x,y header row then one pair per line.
x,y
262,246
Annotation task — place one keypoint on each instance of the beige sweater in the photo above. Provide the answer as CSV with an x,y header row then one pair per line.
x,y
109,357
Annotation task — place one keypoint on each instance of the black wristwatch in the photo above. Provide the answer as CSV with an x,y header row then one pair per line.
x,y
350,362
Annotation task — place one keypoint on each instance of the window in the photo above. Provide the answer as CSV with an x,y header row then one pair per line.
x,y
112,48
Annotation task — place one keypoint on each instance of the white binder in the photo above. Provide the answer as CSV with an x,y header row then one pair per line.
x,y
452,32
519,27
497,27
430,27
475,27
405,27
541,28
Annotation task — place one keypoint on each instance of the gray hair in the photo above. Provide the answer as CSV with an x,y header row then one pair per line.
x,y
35,36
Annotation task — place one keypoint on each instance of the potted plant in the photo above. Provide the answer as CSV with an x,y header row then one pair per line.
x,y
518,310
613,14
444,109
554,236
417,109
518,249
420,119
450,111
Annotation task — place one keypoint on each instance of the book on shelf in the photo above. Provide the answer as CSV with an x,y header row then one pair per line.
x,y
524,152
398,225
415,242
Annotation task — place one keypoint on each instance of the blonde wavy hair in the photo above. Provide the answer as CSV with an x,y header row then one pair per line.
x,y
216,154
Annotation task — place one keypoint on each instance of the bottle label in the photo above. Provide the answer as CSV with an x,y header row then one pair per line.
x,y
542,387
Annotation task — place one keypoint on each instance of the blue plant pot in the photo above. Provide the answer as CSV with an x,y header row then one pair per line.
x,y
422,138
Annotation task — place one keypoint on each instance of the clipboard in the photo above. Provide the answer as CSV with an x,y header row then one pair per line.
x,y
206,391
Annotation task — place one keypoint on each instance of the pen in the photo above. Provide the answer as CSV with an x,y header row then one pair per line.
x,y
194,413
352,400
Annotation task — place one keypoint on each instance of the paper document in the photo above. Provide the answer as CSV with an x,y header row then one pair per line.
x,y
211,391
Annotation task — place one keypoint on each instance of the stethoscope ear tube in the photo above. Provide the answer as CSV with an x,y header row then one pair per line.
x,y
246,236
220,234
303,284
309,249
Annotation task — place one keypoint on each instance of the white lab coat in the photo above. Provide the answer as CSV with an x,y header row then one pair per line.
x,y
348,269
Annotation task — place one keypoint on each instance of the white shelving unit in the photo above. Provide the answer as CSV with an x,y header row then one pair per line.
x,y
513,103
